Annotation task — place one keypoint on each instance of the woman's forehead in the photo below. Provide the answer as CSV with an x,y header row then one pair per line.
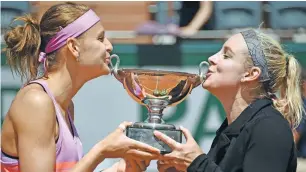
x,y
237,44
96,30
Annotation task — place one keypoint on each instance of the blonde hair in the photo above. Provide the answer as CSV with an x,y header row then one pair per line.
x,y
285,77
23,43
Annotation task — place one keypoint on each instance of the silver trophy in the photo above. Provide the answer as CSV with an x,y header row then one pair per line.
x,y
156,90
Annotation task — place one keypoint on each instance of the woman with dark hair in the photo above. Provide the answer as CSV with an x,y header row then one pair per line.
x,y
38,132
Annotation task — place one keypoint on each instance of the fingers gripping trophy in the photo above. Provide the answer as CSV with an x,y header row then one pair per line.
x,y
156,90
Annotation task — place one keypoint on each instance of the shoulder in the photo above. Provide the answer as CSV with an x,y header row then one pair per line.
x,y
268,117
270,126
31,102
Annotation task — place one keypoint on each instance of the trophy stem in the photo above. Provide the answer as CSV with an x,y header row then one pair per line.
x,y
155,108
155,118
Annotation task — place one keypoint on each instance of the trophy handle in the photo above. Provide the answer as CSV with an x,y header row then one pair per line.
x,y
114,69
203,69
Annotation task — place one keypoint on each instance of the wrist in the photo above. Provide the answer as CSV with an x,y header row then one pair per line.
x,y
98,152
197,155
91,160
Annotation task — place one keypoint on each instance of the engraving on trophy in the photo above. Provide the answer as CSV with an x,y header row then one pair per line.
x,y
156,90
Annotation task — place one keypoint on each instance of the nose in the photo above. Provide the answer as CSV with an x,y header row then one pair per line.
x,y
108,45
213,59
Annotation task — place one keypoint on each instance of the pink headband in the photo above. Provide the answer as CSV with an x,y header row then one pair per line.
x,y
73,30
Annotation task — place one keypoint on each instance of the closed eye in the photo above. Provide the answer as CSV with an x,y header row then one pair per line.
x,y
101,36
225,56
101,39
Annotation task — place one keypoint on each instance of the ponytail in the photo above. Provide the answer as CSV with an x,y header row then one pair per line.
x,y
291,104
22,47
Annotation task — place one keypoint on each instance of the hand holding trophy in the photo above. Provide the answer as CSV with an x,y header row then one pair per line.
x,y
157,89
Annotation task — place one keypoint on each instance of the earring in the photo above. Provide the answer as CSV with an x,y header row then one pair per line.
x,y
77,58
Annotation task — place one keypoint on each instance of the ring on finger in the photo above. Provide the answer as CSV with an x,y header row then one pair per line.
x,y
122,127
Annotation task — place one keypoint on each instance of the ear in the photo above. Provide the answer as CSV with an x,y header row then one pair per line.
x,y
251,75
74,47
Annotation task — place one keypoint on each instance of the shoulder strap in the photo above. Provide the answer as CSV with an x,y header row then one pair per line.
x,y
47,90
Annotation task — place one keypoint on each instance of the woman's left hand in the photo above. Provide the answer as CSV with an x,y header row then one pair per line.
x,y
182,154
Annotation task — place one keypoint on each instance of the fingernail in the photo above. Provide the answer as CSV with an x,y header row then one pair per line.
x,y
181,127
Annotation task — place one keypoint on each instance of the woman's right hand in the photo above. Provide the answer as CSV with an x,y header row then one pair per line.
x,y
118,145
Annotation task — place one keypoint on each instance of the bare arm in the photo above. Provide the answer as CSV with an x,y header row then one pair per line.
x,y
33,117
202,15
34,120
92,159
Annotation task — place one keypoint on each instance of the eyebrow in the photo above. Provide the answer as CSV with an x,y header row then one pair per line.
x,y
101,33
227,48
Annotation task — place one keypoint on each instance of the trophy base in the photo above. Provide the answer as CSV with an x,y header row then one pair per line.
x,y
143,132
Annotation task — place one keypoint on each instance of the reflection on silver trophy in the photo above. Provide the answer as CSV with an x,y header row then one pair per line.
x,y
157,89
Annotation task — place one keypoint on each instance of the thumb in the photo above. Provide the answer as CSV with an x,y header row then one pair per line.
x,y
187,134
123,126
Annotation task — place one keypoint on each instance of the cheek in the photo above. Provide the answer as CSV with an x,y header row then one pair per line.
x,y
221,81
94,51
231,77
97,48
226,75
230,69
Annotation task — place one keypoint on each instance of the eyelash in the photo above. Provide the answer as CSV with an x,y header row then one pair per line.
x,y
101,39
225,56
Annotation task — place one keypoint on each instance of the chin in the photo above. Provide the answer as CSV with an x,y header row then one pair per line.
x,y
101,72
206,85
104,69
104,72
209,87
107,72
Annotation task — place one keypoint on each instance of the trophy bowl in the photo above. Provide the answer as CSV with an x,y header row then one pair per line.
x,y
156,90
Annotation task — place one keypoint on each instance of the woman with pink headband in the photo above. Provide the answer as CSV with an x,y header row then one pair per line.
x,y
38,134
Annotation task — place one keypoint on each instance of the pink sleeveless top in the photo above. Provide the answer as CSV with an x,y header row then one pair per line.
x,y
68,146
